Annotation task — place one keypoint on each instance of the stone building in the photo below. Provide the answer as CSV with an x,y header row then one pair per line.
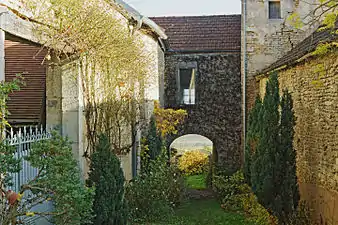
x,y
267,35
52,94
270,44
212,66
202,75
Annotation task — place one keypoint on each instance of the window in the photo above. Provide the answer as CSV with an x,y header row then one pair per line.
x,y
187,86
274,10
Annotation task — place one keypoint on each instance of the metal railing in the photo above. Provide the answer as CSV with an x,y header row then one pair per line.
x,y
23,138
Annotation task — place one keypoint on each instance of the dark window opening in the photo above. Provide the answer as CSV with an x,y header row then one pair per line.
x,y
275,10
187,86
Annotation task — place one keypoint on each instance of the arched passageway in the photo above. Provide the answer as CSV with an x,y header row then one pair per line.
x,y
216,109
191,142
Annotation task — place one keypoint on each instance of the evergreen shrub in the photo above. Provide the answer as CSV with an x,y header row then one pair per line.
x,y
106,176
270,158
235,195
152,196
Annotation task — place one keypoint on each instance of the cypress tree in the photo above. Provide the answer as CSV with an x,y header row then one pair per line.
x,y
272,158
107,177
253,134
154,140
153,145
289,192
263,166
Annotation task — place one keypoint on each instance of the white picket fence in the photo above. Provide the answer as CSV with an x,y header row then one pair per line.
x,y
23,138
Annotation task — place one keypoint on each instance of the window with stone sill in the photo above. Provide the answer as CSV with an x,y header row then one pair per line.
x,y
187,86
275,11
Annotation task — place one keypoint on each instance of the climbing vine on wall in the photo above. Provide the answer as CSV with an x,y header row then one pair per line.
x,y
6,88
110,60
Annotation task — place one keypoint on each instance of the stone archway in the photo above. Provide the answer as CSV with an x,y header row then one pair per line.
x,y
216,111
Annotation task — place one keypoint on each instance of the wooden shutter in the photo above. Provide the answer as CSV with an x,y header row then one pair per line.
x,y
26,58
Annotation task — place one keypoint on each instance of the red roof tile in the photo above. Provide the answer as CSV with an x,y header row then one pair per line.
x,y
202,33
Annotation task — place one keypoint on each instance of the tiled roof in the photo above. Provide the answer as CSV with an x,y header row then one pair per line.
x,y
202,33
308,45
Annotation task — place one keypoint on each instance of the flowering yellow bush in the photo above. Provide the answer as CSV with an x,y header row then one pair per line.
x,y
193,162
167,120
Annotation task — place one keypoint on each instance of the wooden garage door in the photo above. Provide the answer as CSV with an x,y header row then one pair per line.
x,y
26,58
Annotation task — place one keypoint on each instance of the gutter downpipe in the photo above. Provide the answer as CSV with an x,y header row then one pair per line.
x,y
2,66
244,74
134,129
2,44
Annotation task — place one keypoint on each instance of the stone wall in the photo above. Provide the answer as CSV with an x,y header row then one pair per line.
x,y
266,39
64,107
217,112
316,132
269,39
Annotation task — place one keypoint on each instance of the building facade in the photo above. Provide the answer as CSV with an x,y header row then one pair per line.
x,y
268,34
271,43
202,76
53,93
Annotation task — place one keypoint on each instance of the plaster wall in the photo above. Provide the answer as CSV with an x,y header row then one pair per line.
x,y
269,39
65,106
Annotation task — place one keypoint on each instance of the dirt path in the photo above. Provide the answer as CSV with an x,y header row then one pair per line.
x,y
200,194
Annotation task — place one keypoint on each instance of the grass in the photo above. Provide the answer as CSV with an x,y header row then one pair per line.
x,y
196,181
205,212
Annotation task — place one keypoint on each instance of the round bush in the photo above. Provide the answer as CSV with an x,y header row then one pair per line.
x,y
193,163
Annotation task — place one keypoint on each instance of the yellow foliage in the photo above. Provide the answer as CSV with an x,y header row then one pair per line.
x,y
167,120
111,60
324,48
258,214
30,214
144,154
193,162
20,195
295,20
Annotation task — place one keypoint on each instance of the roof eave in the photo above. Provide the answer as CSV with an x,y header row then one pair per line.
x,y
180,51
124,9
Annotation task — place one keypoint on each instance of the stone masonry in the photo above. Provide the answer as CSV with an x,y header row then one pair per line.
x,y
273,44
266,39
316,132
217,112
